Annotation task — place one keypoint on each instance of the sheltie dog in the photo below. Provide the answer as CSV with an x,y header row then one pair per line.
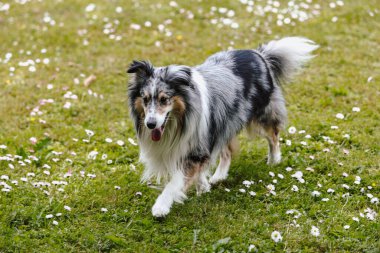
x,y
186,117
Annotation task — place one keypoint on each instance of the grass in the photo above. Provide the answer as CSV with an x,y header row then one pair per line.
x,y
345,74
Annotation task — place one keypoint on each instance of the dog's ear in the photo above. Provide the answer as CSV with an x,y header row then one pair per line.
x,y
179,75
142,68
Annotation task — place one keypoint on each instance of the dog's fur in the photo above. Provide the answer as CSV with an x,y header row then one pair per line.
x,y
187,117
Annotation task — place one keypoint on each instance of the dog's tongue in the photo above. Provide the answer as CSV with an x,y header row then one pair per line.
x,y
156,134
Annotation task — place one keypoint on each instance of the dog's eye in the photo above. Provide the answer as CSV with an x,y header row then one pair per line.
x,y
164,100
146,100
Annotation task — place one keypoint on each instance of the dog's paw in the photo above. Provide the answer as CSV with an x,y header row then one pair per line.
x,y
274,159
215,179
159,210
203,188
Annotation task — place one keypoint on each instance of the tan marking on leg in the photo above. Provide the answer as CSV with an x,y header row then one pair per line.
x,y
193,172
234,146
272,135
221,171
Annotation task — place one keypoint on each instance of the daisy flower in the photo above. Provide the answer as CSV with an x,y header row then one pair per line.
x,y
314,231
292,130
120,143
132,141
276,236
252,248
89,133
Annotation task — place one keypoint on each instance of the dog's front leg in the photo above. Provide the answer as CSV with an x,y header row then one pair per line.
x,y
173,192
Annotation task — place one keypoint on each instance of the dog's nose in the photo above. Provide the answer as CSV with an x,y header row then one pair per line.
x,y
151,124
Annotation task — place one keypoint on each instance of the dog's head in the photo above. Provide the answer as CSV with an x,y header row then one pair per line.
x,y
156,94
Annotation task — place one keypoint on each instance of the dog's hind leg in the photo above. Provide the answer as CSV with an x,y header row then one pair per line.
x,y
272,135
221,171
196,173
202,185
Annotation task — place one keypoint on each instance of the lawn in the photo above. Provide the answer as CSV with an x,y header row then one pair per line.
x,y
70,176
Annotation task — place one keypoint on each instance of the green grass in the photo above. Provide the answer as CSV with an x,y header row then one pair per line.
x,y
334,82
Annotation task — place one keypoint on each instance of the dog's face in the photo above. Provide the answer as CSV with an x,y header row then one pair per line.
x,y
155,93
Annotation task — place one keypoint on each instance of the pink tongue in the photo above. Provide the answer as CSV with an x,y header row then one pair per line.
x,y
156,134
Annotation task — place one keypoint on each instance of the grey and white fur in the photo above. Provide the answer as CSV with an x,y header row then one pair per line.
x,y
188,117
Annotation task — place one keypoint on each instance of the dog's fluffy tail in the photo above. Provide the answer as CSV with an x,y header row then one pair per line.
x,y
286,56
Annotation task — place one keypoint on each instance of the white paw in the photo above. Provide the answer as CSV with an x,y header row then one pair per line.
x,y
203,188
217,178
160,210
274,159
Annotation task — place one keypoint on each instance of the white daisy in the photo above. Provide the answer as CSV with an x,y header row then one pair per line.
x,y
132,141
120,143
91,7
276,236
252,248
90,133
314,231
292,130
288,169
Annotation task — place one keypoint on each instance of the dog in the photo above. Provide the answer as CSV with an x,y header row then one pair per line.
x,y
188,117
